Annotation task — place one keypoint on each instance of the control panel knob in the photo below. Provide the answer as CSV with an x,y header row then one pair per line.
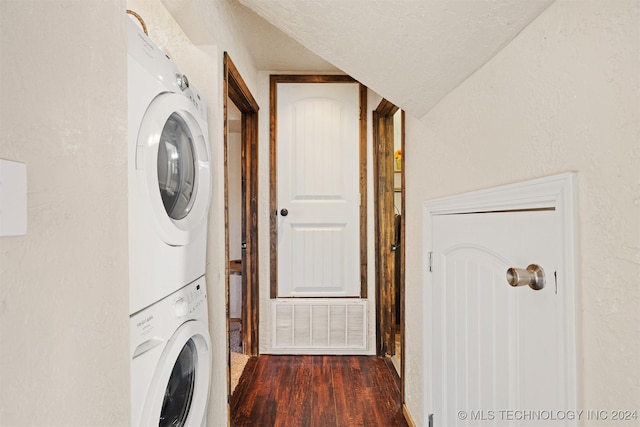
x,y
183,81
181,307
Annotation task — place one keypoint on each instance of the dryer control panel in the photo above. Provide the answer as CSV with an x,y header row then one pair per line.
x,y
196,98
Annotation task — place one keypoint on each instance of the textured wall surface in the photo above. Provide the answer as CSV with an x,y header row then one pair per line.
x,y
563,96
64,333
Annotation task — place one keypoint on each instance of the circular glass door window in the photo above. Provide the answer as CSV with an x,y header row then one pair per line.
x,y
179,393
176,167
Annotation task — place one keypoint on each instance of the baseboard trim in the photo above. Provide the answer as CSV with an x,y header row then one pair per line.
x,y
407,416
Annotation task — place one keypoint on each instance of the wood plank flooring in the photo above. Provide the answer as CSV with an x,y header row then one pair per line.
x,y
317,391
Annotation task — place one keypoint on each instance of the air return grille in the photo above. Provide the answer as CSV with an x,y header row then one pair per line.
x,y
319,326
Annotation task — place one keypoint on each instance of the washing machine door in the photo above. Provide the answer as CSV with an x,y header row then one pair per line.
x,y
172,166
180,387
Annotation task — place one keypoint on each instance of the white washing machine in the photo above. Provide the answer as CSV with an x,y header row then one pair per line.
x,y
171,359
169,174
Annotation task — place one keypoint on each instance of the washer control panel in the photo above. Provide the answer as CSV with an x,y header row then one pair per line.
x,y
189,301
154,325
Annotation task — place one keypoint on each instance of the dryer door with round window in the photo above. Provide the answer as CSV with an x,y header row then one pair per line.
x,y
172,166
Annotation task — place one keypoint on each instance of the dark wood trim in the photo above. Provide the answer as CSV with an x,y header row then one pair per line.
x,y
364,282
403,253
236,90
386,108
312,78
273,172
384,231
385,259
380,324
225,98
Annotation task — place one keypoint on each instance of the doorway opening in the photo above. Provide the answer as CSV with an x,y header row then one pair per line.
x,y
241,206
388,162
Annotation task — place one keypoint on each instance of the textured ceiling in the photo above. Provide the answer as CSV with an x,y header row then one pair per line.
x,y
273,50
412,52
270,48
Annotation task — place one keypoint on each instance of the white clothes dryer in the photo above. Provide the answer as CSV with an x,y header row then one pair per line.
x,y
168,174
171,360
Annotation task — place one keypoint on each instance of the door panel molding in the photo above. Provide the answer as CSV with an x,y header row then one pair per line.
x,y
556,193
273,172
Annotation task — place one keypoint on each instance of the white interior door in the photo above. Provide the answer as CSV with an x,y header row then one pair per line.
x,y
497,355
318,189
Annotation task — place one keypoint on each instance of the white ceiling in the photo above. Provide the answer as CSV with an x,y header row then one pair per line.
x,y
412,52
273,50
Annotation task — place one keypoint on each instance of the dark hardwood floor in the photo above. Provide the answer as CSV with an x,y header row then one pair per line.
x,y
317,391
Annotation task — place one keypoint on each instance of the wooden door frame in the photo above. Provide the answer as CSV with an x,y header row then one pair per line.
x,y
273,172
236,90
383,149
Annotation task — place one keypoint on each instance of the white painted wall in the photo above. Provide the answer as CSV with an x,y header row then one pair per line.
x,y
563,96
64,332
234,206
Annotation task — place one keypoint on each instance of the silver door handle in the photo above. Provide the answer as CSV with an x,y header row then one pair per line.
x,y
532,276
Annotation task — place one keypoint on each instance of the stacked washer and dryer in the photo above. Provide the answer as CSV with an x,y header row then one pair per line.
x,y
169,195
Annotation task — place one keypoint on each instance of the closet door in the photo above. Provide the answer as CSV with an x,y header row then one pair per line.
x,y
318,189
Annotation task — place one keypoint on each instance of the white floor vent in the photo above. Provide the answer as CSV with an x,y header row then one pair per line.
x,y
319,326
